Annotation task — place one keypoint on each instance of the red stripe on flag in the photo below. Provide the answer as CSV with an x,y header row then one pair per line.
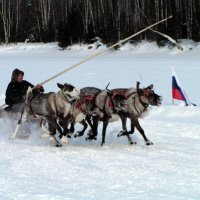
x,y
176,94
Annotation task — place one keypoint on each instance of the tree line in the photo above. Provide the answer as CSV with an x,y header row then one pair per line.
x,y
72,21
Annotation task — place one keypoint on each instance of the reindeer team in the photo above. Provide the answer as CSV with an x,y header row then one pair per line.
x,y
89,105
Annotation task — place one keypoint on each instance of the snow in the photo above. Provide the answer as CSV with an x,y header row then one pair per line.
x,y
34,169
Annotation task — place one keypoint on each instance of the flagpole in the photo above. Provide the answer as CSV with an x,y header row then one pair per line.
x,y
172,86
178,91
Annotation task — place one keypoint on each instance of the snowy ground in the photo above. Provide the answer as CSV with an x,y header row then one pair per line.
x,y
34,169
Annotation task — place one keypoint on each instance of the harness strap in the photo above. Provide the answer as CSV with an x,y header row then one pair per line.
x,y
111,104
145,105
56,108
30,106
104,108
95,96
65,97
87,99
84,99
79,106
136,107
146,93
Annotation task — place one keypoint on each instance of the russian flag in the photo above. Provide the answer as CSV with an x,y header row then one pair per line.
x,y
177,90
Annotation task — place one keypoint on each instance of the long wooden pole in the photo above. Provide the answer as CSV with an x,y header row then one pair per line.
x,y
102,52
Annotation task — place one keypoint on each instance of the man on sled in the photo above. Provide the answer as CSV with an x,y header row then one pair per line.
x,y
16,91
16,96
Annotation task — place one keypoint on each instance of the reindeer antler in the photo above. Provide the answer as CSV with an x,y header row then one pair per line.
x,y
107,88
137,85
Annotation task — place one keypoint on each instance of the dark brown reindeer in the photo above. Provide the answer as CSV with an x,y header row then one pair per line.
x,y
138,104
110,104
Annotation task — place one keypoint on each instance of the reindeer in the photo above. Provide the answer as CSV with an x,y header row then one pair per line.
x,y
51,107
97,104
81,111
138,103
109,105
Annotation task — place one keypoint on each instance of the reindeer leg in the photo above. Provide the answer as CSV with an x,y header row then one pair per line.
x,y
131,132
81,133
89,121
65,123
72,129
92,135
52,129
47,131
124,131
130,140
54,126
105,124
95,127
127,134
139,128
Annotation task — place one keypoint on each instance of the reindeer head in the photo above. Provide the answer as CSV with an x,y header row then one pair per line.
x,y
69,91
148,95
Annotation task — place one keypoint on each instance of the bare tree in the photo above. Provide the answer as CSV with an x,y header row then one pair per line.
x,y
6,15
79,20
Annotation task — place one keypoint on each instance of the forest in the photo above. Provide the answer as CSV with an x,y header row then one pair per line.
x,y
81,21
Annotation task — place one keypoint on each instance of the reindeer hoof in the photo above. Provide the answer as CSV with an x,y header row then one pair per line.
x,y
149,143
79,134
58,145
122,133
132,142
90,138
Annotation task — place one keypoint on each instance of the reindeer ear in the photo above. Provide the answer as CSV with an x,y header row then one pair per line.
x,y
150,87
60,86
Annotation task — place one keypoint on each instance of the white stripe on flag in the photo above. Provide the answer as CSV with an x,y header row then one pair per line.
x,y
188,102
